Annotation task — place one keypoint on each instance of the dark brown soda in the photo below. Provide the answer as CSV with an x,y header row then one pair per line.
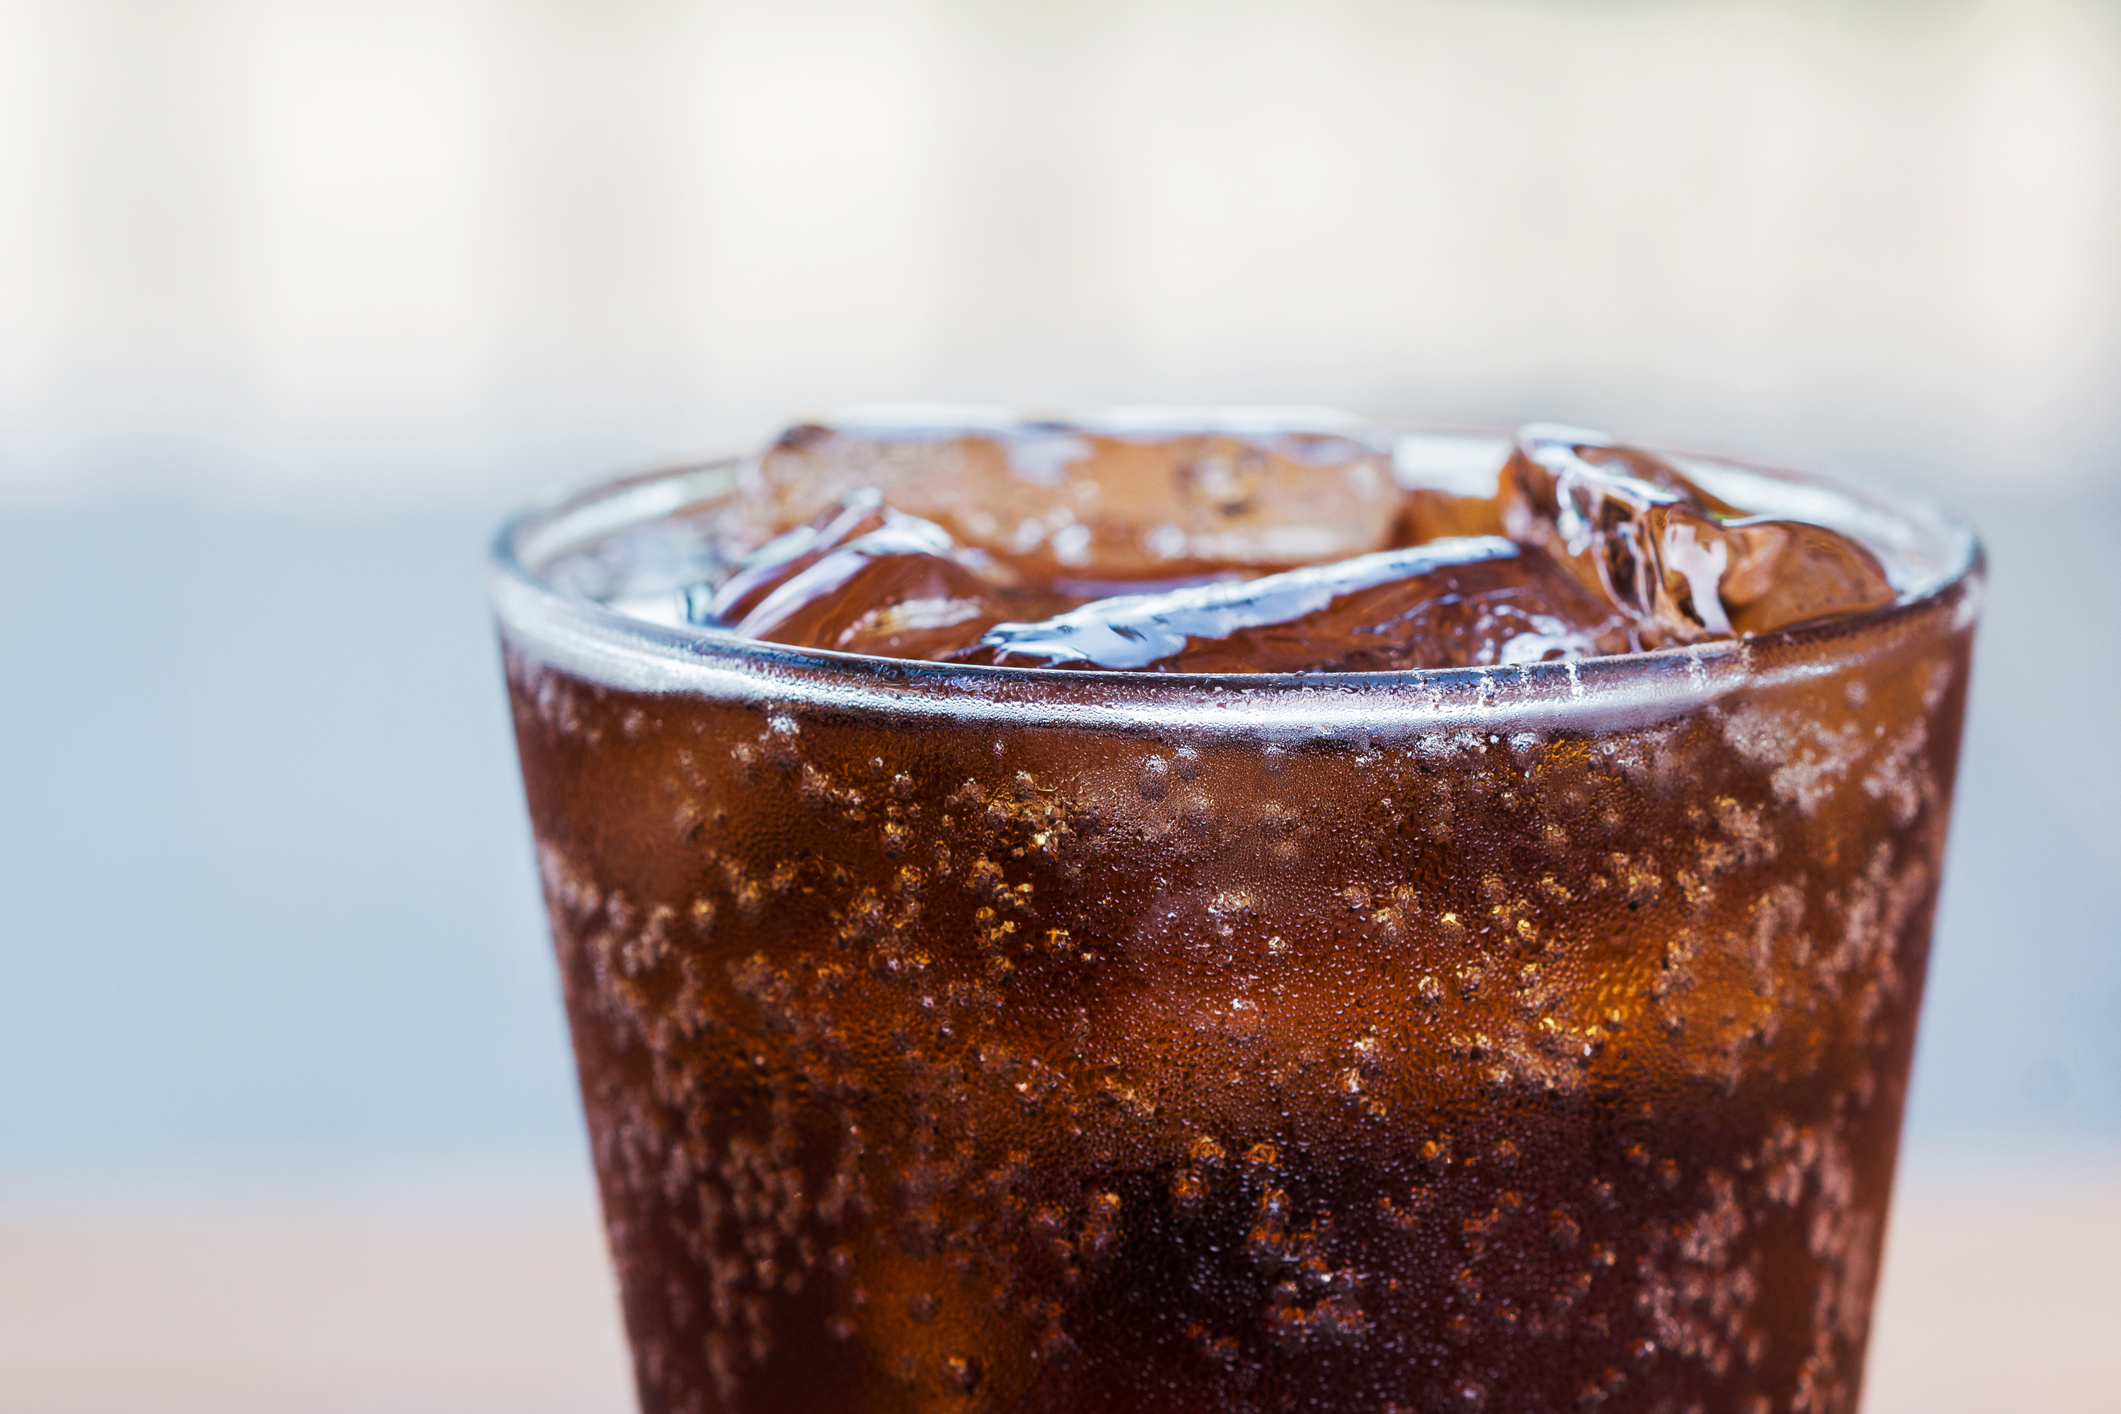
x,y
1213,1061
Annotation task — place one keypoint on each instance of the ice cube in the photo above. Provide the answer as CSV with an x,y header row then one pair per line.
x,y
1681,564
1124,497
1451,603
1793,572
1449,484
899,591
858,512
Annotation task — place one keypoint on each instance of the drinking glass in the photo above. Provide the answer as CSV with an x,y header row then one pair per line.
x,y
963,1038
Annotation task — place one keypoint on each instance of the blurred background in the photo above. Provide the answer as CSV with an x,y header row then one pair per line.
x,y
298,297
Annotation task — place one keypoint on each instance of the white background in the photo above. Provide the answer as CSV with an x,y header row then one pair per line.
x,y
417,250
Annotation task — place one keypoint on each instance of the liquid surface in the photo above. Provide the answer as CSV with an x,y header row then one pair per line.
x,y
1233,549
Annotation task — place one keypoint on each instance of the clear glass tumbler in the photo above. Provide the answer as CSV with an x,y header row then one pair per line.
x,y
999,1039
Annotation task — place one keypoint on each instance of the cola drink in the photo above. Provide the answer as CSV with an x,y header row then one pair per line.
x,y
1279,930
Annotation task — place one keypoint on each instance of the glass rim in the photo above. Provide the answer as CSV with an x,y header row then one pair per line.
x,y
579,634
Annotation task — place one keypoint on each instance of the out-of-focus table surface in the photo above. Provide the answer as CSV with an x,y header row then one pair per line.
x,y
1999,1296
